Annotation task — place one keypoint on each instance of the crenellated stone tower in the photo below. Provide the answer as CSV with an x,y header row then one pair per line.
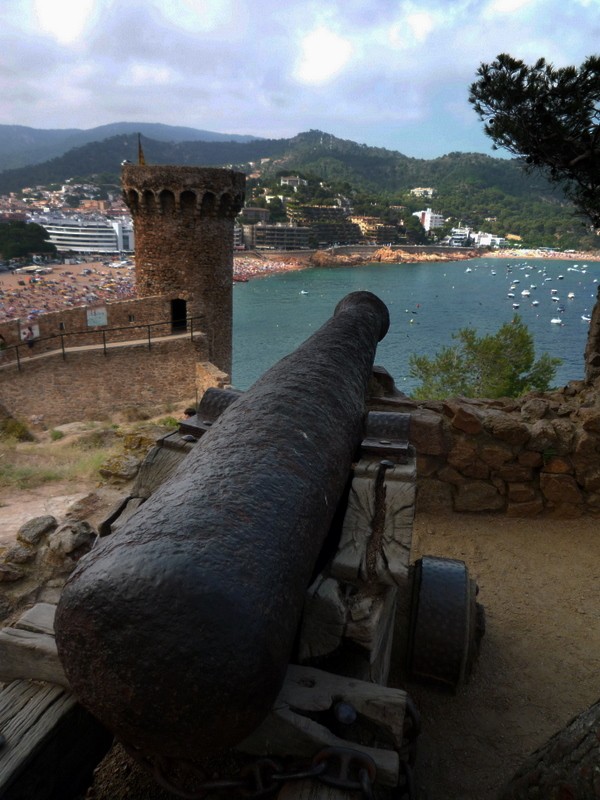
x,y
183,220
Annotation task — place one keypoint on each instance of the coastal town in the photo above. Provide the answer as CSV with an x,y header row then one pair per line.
x,y
94,260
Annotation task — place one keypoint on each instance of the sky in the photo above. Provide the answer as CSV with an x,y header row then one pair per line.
x,y
386,73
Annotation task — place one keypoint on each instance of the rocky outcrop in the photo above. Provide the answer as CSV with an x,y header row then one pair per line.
x,y
331,258
43,554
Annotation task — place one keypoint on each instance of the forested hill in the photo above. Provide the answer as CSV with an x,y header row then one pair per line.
x,y
365,168
488,193
21,146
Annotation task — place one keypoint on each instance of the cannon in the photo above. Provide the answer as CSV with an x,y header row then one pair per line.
x,y
176,631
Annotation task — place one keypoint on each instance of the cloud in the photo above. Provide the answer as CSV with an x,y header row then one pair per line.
x,y
65,20
393,73
323,56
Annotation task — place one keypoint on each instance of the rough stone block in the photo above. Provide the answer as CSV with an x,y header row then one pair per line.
x,y
505,428
478,496
528,509
521,493
560,489
433,495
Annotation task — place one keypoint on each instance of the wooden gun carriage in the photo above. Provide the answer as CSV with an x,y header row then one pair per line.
x,y
261,597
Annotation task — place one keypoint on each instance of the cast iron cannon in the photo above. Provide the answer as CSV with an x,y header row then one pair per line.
x,y
176,631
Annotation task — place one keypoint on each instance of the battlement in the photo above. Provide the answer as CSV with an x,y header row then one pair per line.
x,y
201,191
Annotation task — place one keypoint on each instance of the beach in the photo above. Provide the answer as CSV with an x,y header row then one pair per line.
x,y
26,296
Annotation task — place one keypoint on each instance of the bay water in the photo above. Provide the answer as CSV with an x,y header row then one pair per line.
x,y
428,302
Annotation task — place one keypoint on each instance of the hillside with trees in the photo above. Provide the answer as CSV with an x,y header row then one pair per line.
x,y
476,190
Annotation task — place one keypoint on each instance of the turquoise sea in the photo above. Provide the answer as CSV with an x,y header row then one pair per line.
x,y
427,304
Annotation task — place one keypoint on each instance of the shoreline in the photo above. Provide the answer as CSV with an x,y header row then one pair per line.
x,y
67,286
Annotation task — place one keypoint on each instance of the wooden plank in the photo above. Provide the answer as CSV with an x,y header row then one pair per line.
x,y
39,619
324,619
52,743
291,727
29,655
373,548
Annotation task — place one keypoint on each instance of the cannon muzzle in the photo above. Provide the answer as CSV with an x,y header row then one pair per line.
x,y
177,630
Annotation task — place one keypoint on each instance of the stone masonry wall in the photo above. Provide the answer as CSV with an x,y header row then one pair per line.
x,y
91,385
131,316
184,218
539,454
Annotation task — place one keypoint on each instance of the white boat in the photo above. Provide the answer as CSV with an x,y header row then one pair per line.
x,y
468,269
525,293
510,294
303,291
535,303
585,318
556,321
571,295
515,305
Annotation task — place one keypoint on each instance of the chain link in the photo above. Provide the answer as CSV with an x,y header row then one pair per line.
x,y
341,767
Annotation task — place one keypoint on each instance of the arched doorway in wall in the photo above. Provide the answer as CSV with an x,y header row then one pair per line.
x,y
178,315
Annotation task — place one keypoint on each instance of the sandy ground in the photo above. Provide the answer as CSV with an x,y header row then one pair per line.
x,y
539,663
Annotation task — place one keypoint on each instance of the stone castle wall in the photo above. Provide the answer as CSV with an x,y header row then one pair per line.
x,y
539,454
90,384
130,316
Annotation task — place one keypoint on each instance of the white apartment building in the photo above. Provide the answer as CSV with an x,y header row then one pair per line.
x,y
88,234
430,219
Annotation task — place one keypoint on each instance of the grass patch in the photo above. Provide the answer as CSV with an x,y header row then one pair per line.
x,y
24,477
30,465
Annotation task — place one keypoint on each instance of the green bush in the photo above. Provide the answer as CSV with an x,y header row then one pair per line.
x,y
56,435
13,429
168,422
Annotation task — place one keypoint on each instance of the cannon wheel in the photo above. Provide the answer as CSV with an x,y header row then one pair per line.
x,y
446,623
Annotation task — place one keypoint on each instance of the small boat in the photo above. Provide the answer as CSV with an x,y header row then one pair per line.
x,y
586,318
571,295
515,305
560,309
561,277
525,293
303,291
553,291
556,321
510,294
535,303
555,298
468,269
493,272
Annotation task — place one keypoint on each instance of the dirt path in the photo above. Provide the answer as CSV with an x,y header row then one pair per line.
x,y
540,659
539,663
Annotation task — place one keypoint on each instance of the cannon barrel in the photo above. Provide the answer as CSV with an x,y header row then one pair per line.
x,y
177,630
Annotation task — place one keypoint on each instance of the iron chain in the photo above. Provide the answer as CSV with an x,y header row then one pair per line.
x,y
341,767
